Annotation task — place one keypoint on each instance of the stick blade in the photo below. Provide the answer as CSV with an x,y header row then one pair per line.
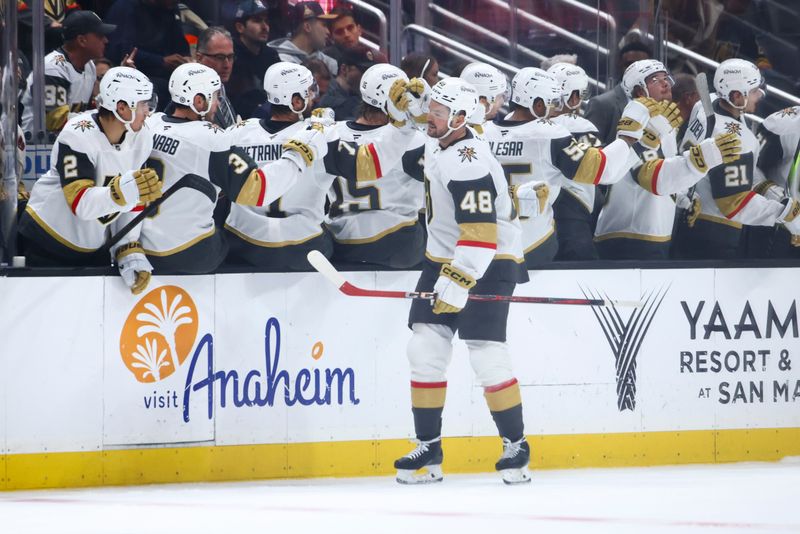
x,y
319,262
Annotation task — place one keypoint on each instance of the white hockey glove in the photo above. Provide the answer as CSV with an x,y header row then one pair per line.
x,y
419,95
397,103
724,148
530,198
452,290
635,117
691,204
133,266
770,190
135,187
321,118
305,147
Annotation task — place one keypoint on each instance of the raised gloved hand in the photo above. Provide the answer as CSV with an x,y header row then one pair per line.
x,y
305,147
635,117
134,187
397,103
321,118
419,94
724,148
452,289
133,265
664,121
530,198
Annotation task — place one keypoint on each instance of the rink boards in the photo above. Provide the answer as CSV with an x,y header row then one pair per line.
x,y
245,376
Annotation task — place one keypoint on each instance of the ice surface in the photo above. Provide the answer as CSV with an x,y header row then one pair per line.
x,y
752,497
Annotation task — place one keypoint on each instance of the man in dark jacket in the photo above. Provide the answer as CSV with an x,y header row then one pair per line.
x,y
253,57
153,28
344,96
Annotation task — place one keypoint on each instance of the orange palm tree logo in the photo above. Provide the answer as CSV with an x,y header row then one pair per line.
x,y
159,333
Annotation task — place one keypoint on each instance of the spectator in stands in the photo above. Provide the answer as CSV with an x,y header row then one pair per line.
x,y
345,30
321,75
309,36
154,28
215,50
571,59
343,95
418,65
253,57
55,11
736,36
605,110
69,71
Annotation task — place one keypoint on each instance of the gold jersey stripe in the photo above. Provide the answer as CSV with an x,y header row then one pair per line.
x,y
648,175
504,399
376,237
428,397
52,233
480,232
74,188
253,190
631,235
180,248
732,204
591,166
367,166
269,244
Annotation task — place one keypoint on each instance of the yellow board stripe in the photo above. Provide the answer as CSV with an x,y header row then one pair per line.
x,y
376,457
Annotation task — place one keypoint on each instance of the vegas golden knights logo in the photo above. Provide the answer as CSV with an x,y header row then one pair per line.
x,y
625,337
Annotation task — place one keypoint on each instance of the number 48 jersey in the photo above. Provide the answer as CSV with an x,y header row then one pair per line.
x,y
366,211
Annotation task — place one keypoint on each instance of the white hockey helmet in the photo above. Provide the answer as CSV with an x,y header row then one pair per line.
x,y
124,84
283,80
737,75
191,79
376,81
638,72
458,95
572,78
532,83
488,81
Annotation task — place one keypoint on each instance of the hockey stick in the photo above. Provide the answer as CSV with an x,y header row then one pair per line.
x,y
701,82
189,180
324,267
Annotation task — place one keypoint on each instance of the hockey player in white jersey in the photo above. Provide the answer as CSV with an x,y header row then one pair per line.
x,y
532,148
473,244
779,140
377,221
69,72
182,236
96,179
728,198
572,210
278,235
636,221
492,86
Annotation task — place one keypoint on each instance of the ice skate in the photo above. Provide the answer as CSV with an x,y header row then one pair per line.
x,y
513,464
423,465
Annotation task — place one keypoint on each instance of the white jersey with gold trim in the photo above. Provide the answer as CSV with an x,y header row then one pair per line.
x,y
524,150
183,147
67,91
83,156
726,192
368,210
470,215
633,212
586,134
297,216
779,139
